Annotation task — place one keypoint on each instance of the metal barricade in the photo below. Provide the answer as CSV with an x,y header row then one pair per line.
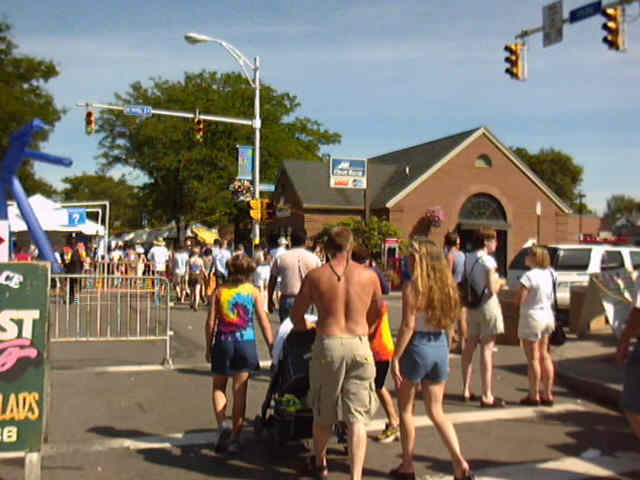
x,y
96,308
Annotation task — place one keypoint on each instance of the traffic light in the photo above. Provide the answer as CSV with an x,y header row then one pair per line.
x,y
199,123
90,123
614,38
254,209
268,212
514,61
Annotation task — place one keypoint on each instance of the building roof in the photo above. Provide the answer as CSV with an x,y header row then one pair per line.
x,y
393,175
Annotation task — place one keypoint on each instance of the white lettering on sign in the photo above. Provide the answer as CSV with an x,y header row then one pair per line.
x,y
9,327
11,279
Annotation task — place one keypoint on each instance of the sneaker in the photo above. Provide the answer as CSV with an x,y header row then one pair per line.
x,y
224,438
234,446
390,434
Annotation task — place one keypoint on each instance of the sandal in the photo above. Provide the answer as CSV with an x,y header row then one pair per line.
x,y
319,472
547,402
497,403
398,475
529,401
471,398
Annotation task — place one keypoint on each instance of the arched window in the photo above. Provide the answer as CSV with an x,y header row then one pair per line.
x,y
483,207
483,161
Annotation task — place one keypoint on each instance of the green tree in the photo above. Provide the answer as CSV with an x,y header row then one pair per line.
x,y
23,98
188,180
125,200
619,205
558,170
369,234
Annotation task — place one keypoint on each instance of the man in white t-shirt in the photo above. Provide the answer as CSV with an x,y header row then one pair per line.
x,y
485,322
180,260
158,256
291,266
221,255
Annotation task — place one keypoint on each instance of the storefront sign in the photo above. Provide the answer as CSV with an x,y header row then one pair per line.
x,y
24,290
348,173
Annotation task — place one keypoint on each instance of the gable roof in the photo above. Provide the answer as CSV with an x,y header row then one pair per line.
x,y
392,176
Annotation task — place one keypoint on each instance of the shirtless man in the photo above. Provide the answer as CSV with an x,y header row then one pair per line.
x,y
348,299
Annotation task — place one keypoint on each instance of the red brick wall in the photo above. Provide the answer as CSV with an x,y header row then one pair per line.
x,y
459,179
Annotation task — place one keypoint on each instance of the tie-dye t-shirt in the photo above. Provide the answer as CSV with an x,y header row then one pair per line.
x,y
235,307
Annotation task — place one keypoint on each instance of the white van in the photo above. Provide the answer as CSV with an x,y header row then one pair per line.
x,y
574,263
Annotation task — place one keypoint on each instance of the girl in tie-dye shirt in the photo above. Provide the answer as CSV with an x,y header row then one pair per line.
x,y
231,345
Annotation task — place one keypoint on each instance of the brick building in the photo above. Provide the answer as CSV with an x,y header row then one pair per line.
x,y
471,177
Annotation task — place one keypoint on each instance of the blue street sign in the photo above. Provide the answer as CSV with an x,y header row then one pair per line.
x,y
585,11
267,187
77,216
138,110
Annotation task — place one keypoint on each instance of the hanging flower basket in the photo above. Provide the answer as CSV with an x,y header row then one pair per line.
x,y
242,190
435,216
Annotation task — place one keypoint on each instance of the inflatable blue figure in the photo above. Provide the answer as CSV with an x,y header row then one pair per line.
x,y
9,181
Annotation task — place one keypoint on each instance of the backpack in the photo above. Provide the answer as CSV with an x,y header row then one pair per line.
x,y
470,297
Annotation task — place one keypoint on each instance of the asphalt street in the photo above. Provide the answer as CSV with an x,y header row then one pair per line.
x,y
117,413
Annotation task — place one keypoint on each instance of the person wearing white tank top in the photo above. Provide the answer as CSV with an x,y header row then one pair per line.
x,y
430,307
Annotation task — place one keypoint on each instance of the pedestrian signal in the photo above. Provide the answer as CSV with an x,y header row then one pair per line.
x,y
255,209
514,61
199,124
614,38
89,123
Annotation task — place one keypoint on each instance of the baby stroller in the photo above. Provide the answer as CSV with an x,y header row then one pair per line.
x,y
285,416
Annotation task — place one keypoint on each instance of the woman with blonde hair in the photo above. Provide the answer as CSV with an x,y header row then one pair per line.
x,y
536,323
430,306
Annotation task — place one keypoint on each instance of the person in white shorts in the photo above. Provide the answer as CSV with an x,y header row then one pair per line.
x,y
485,321
536,323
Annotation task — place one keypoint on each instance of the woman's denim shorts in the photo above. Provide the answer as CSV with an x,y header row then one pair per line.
x,y
426,358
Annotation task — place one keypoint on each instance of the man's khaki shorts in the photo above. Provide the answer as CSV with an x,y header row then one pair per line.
x,y
486,320
342,370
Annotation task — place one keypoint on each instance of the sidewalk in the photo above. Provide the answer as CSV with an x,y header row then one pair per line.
x,y
588,367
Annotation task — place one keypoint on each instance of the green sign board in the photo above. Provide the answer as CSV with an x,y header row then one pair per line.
x,y
24,301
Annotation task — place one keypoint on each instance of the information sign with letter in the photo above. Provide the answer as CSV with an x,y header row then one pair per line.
x,y
552,23
77,216
348,173
24,289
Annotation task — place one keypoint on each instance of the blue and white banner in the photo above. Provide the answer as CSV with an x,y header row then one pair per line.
x,y
245,162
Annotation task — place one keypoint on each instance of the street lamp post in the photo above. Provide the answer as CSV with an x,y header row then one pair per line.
x,y
245,64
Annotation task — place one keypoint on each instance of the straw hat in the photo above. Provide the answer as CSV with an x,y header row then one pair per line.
x,y
282,241
159,242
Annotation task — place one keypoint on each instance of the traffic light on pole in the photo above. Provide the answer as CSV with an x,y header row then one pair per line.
x,y
268,213
90,123
199,125
514,61
255,209
614,37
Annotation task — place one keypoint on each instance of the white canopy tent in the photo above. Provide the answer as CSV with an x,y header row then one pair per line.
x,y
52,218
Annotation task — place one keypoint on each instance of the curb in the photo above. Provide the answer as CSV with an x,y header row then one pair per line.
x,y
603,393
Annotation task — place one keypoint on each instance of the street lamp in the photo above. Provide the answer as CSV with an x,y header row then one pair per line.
x,y
246,65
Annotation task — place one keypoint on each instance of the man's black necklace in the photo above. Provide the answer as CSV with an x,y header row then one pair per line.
x,y
338,276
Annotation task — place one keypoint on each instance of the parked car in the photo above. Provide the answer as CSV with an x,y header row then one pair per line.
x,y
574,264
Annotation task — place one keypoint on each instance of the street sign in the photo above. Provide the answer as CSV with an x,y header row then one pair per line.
x,y
77,216
585,11
24,289
267,187
552,23
348,173
138,110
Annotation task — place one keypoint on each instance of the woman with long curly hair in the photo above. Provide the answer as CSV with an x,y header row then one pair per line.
x,y
430,306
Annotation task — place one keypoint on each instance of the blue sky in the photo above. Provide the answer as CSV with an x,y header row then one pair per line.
x,y
385,74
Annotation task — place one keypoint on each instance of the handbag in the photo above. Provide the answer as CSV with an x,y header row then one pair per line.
x,y
557,337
